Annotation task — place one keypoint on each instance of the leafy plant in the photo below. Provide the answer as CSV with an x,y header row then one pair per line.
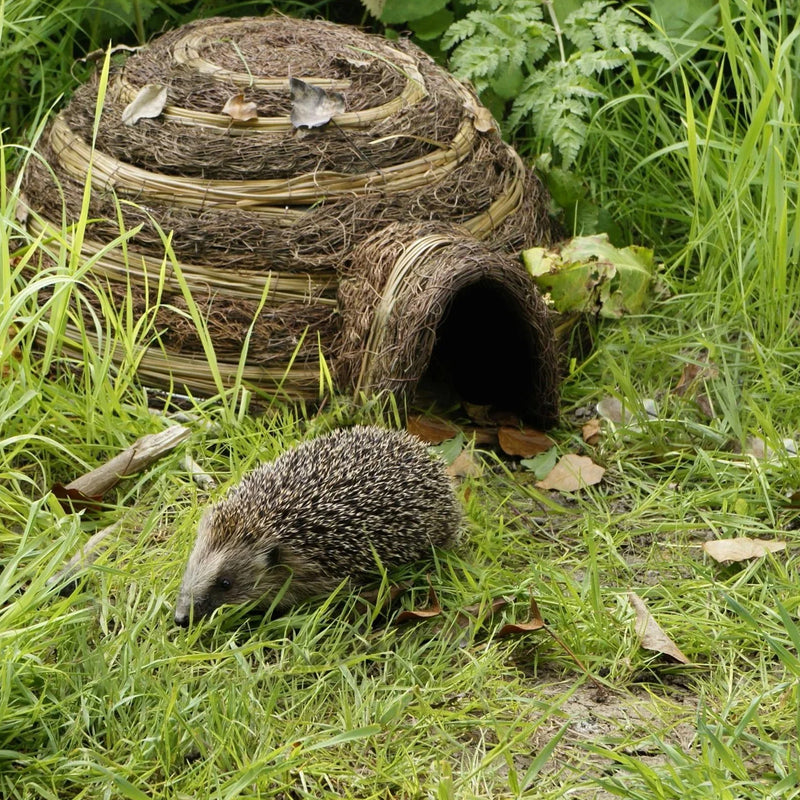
x,y
550,69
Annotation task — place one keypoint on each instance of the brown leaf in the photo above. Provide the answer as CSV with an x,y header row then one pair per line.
x,y
571,473
793,499
148,103
465,466
650,633
613,410
692,377
741,548
479,414
430,430
482,118
239,109
591,431
535,622
433,609
694,372
705,405
506,419
312,106
525,442
484,122
76,500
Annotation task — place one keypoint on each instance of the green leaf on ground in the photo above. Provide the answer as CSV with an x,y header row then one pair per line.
x,y
589,274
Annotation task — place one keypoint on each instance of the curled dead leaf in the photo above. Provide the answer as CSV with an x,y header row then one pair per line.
x,y
651,634
312,106
524,442
483,120
22,209
465,466
571,473
148,103
237,108
433,609
534,623
430,430
741,548
758,448
591,431
613,410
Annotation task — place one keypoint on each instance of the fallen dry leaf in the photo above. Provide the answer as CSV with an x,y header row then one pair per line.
x,y
313,107
757,447
591,431
478,413
484,121
535,622
465,466
703,369
692,378
239,109
372,595
433,609
650,633
430,430
741,548
22,210
703,402
525,442
612,409
571,473
148,103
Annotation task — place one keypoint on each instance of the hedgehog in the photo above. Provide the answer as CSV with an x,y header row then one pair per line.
x,y
331,508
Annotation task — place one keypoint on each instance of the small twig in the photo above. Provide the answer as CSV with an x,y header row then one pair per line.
x,y
199,475
86,556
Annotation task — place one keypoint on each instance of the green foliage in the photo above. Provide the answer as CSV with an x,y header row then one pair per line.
x,y
499,42
510,48
548,58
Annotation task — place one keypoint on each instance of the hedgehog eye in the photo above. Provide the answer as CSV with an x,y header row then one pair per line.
x,y
223,583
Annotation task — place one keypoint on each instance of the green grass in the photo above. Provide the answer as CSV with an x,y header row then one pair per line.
x,y
102,696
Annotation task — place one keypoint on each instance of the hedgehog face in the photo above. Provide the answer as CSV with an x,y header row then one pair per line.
x,y
226,570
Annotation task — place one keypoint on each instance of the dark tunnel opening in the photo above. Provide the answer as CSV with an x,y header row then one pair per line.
x,y
485,353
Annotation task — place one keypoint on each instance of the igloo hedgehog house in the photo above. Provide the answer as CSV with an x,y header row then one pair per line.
x,y
382,243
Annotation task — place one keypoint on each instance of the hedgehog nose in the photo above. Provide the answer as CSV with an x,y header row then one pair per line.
x,y
181,619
